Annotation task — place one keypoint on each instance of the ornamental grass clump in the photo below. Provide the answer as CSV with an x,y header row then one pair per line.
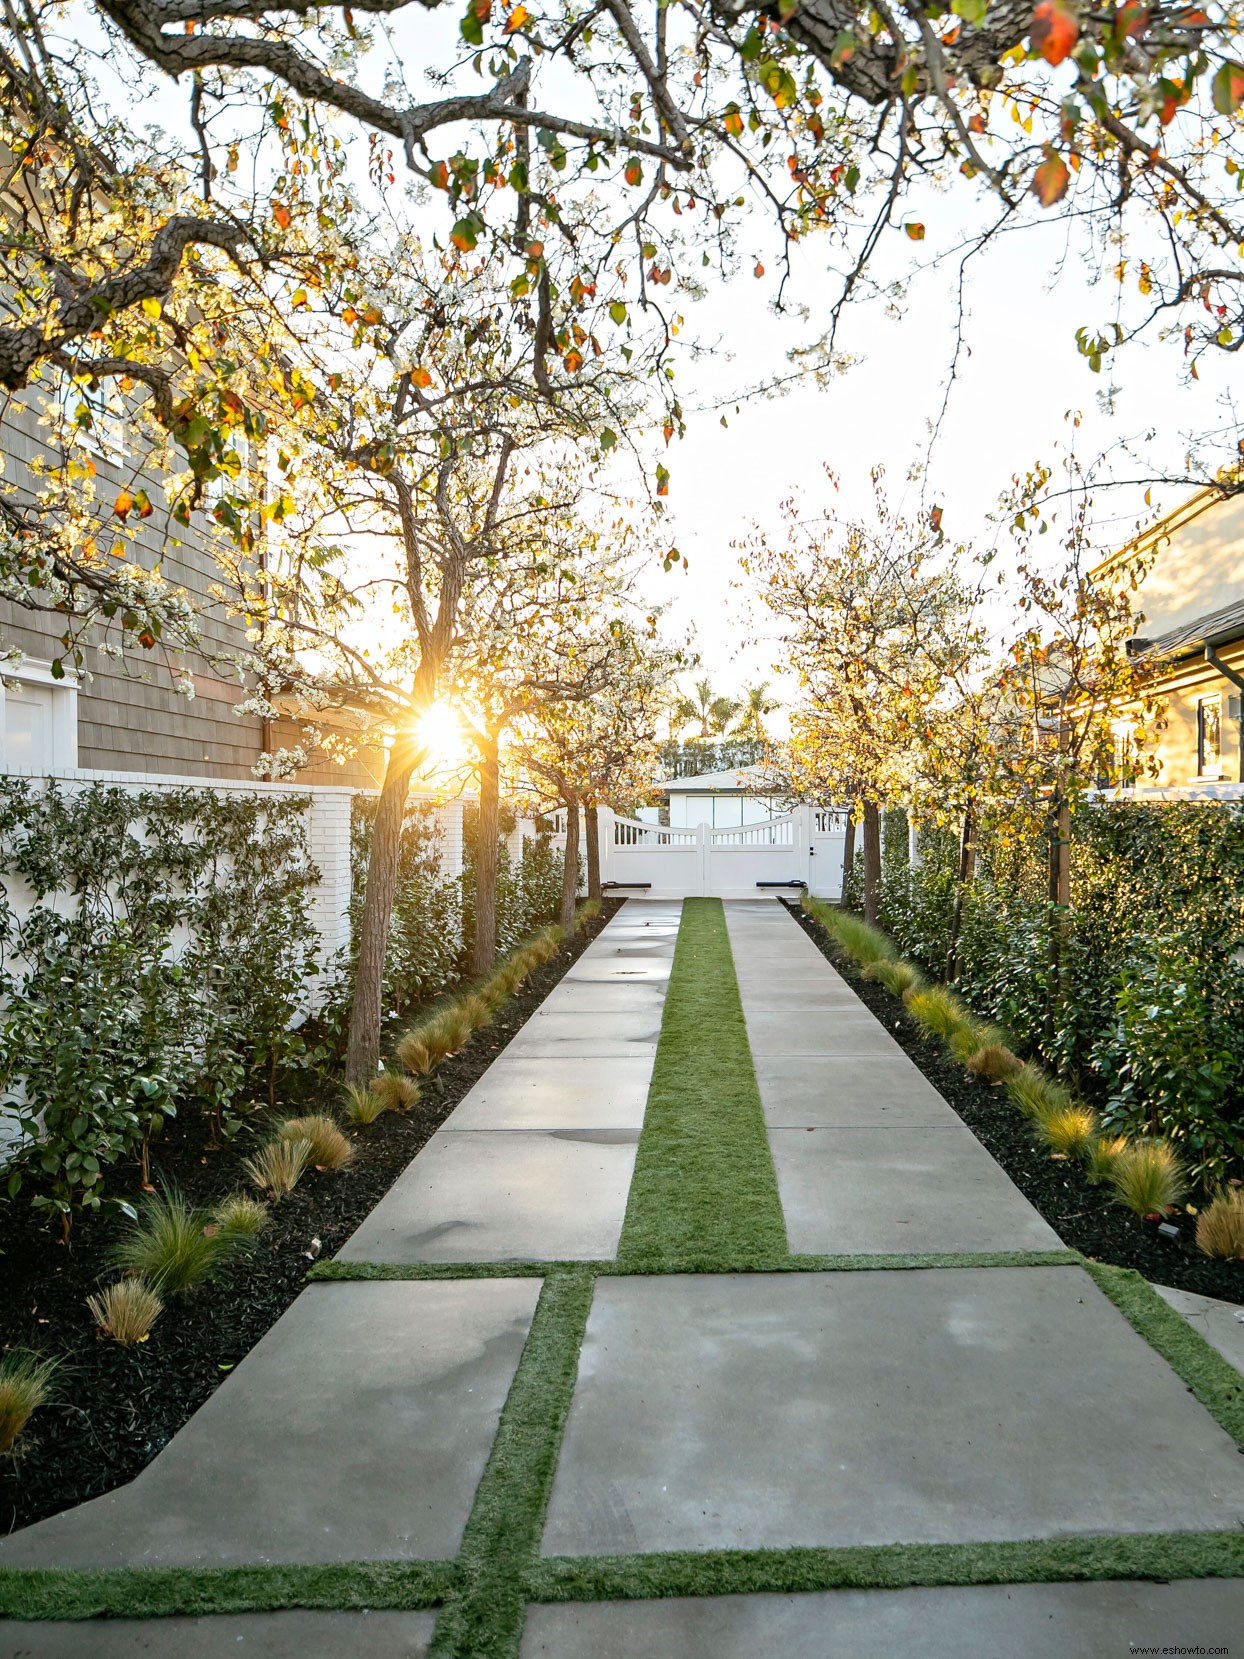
x,y
973,1035
897,977
1101,1155
938,1012
241,1216
1148,1177
362,1106
1070,1130
1220,1226
25,1383
995,1063
862,942
395,1092
278,1166
172,1245
327,1146
126,1311
1036,1093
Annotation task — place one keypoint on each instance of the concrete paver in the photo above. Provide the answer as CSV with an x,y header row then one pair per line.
x,y
357,1429
292,1635
817,1032
919,1187
592,1034
504,1195
726,1412
544,1093
852,1091
1020,1621
1220,1323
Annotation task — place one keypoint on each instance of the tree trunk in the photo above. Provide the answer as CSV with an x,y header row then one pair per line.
x,y
872,862
591,829
967,864
848,853
484,944
363,1045
1058,895
570,870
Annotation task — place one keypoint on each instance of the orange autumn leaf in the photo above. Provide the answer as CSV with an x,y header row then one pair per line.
x,y
421,377
760,270
122,505
572,362
1054,31
438,173
282,215
634,171
516,19
915,232
1050,181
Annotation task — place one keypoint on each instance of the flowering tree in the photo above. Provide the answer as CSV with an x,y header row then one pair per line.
x,y
603,748
876,623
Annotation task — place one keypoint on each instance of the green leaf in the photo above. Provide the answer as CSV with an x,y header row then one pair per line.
x,y
971,11
618,311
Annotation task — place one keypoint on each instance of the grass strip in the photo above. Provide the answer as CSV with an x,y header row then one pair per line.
x,y
641,1266
704,1184
502,1536
1216,1384
1160,1556
161,1592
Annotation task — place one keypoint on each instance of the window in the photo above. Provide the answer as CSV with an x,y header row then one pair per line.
x,y
1124,771
1209,736
38,720
98,414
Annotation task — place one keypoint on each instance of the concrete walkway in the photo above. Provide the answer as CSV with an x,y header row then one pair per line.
x,y
951,1405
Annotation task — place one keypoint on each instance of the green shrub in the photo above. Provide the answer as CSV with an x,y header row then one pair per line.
x,y
1071,1130
172,1245
241,1215
278,1166
25,1383
110,1023
1148,1177
126,1311
327,1146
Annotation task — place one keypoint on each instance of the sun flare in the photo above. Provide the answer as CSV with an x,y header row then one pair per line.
x,y
440,728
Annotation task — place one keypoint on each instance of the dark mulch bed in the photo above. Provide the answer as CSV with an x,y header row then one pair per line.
x,y
115,1408
1084,1216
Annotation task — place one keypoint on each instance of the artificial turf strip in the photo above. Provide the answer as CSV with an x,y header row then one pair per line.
x,y
912,1262
1216,1384
162,1592
1160,1556
502,1536
704,1184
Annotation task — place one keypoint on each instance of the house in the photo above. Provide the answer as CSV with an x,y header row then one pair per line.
x,y
1189,570
723,800
139,713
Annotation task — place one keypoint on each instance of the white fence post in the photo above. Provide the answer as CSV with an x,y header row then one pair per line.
x,y
328,843
450,816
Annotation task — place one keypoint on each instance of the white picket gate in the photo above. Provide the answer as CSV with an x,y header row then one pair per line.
x,y
803,845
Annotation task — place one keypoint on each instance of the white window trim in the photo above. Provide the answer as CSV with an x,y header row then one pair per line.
x,y
1216,773
33,671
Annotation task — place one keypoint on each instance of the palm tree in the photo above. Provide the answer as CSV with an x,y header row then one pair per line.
x,y
755,706
713,713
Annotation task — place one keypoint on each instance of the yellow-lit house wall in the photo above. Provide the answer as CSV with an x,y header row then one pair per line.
x,y
1189,566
